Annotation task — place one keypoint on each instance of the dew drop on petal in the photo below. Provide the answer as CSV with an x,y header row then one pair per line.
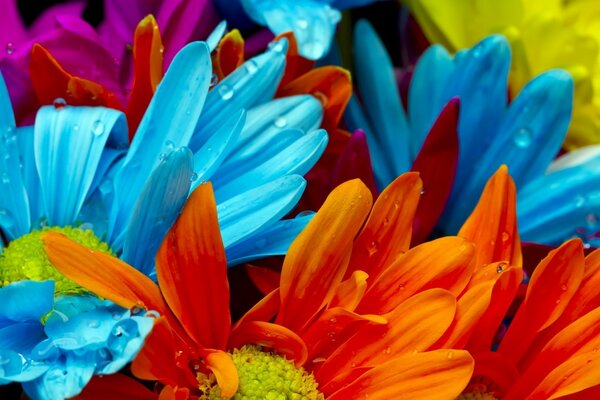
x,y
59,103
10,48
225,91
98,128
280,122
523,138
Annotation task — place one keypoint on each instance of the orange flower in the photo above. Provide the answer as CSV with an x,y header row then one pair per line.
x,y
313,316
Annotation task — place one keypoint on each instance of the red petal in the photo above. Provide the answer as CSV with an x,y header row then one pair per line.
x,y
229,54
192,271
436,164
295,64
265,279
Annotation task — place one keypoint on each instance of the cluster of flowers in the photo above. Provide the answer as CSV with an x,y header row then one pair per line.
x,y
138,165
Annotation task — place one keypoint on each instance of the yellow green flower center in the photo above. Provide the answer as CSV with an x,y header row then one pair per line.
x,y
264,376
477,392
25,259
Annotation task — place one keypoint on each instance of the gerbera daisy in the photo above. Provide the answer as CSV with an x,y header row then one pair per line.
x,y
312,310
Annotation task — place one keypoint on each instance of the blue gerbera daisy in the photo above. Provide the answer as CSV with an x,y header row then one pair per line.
x,y
73,171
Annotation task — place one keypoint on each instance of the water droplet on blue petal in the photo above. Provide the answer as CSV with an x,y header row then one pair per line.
x,y
523,138
225,91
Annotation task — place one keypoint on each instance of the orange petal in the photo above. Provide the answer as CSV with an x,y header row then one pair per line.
x,y
387,232
580,337
276,337
158,359
115,387
147,70
412,327
503,294
577,374
554,281
469,310
229,54
331,85
264,310
348,293
50,81
295,64
192,271
444,373
222,366
265,279
322,250
492,226
333,327
445,263
105,275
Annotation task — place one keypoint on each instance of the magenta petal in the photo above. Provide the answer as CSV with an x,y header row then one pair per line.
x,y
436,163
183,21
257,42
47,21
12,29
355,162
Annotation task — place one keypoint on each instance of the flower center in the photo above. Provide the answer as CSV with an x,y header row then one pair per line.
x,y
25,259
264,376
477,392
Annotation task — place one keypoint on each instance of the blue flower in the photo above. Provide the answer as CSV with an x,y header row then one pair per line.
x,y
524,134
80,337
312,21
74,167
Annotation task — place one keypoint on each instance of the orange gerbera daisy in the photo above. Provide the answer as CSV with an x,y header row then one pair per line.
x,y
194,352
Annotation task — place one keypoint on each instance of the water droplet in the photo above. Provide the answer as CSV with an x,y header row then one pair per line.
x,y
401,287
353,365
214,79
386,221
193,177
423,191
591,220
225,91
500,267
557,301
10,48
505,236
372,249
450,355
333,320
387,350
278,46
302,23
98,128
169,144
280,122
93,323
579,201
563,288
5,178
76,128
59,103
251,66
523,138
135,310
162,156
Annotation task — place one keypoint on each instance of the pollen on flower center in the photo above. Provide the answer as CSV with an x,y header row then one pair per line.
x,y
265,375
25,259
477,392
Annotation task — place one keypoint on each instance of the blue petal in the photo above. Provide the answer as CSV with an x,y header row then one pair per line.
x,y
426,96
528,138
249,212
312,22
26,301
14,206
20,338
268,130
210,156
273,241
107,160
480,80
66,378
251,84
157,209
31,179
379,92
68,144
561,205
216,35
168,123
298,158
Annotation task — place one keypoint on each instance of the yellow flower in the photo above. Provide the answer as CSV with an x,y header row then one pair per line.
x,y
544,34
